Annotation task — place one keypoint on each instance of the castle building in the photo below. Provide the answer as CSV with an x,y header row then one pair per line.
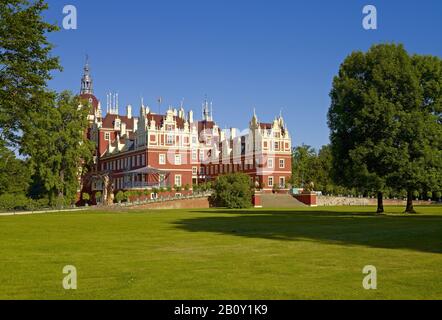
x,y
175,149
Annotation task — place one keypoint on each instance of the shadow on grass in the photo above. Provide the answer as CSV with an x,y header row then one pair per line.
x,y
413,232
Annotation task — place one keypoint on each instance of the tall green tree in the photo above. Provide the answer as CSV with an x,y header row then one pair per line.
x,y
419,165
25,66
59,148
324,162
366,96
378,122
303,165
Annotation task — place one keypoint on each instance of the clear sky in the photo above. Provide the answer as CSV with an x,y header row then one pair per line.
x,y
268,55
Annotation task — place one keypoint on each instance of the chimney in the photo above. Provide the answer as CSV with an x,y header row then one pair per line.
x,y
129,111
181,113
233,133
191,116
123,129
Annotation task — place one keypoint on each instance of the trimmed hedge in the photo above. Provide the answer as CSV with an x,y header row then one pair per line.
x,y
16,202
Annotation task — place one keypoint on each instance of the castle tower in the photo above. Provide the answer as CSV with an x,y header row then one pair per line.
x,y
86,80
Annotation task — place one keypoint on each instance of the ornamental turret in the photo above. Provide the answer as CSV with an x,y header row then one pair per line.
x,y
86,80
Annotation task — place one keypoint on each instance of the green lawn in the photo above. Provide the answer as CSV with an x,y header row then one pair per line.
x,y
220,254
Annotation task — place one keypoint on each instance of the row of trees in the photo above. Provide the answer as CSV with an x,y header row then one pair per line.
x,y
42,142
310,165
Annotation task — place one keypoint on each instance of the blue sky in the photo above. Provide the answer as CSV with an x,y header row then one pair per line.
x,y
268,55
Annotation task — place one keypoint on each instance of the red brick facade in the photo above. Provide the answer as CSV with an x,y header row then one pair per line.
x,y
173,149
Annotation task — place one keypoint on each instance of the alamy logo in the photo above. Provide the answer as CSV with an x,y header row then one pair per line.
x,y
370,21
70,20
370,281
70,281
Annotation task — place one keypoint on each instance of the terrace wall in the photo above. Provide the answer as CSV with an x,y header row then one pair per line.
x,y
197,203
326,201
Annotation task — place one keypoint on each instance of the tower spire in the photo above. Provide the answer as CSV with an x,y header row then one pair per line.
x,y
86,80
206,110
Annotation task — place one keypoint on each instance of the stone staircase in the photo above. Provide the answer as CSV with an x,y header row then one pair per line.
x,y
280,201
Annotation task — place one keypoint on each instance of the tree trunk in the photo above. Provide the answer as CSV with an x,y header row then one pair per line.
x,y
410,208
380,203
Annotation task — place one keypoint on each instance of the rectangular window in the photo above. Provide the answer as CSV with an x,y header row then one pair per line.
x,y
178,180
107,136
162,159
276,146
270,163
194,171
194,155
169,139
282,182
143,159
202,171
201,155
194,140
177,159
162,179
281,163
270,182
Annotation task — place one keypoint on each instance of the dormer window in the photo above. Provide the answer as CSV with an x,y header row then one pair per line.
x,y
117,125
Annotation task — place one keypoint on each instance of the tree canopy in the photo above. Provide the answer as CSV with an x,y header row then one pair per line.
x,y
44,128
59,148
25,66
385,121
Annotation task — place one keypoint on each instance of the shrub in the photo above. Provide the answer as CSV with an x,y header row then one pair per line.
x,y
232,191
147,193
169,189
120,196
178,188
276,188
86,197
13,202
187,187
127,195
9,202
98,196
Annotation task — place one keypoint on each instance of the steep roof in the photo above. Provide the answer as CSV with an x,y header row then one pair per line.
x,y
266,126
109,121
159,119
